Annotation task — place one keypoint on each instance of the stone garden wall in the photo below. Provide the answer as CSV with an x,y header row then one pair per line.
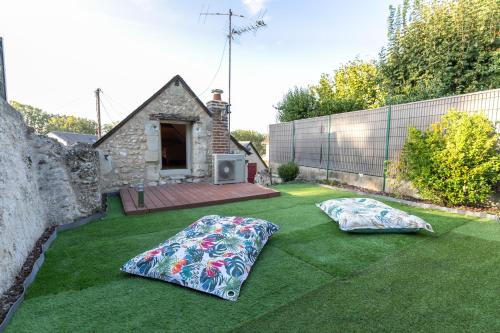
x,y
41,183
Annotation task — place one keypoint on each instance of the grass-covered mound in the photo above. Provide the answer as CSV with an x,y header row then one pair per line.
x,y
309,277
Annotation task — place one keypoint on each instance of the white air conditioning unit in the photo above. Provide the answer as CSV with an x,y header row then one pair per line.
x,y
229,168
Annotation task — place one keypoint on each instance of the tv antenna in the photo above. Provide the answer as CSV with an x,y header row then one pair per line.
x,y
231,32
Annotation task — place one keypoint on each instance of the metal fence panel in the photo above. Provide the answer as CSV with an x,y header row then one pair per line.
x,y
280,142
424,113
310,141
356,141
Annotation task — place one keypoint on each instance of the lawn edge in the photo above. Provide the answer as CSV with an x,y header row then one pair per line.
x,y
37,265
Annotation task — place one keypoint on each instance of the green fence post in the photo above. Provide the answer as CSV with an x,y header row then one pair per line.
x,y
386,154
328,151
293,141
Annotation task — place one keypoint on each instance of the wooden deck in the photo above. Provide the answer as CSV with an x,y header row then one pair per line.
x,y
176,196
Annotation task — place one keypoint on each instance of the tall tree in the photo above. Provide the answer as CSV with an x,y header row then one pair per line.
x,y
298,103
443,48
43,122
434,48
72,124
352,87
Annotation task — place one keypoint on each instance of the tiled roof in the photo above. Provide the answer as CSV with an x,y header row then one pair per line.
x,y
73,138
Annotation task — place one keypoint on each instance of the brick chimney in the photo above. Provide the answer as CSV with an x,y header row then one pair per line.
x,y
220,135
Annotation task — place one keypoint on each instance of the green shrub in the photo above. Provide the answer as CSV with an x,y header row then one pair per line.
x,y
454,162
288,171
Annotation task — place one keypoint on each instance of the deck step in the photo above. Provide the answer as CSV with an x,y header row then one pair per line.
x,y
190,195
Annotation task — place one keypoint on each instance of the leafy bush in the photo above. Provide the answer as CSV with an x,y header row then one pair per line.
x,y
288,171
455,162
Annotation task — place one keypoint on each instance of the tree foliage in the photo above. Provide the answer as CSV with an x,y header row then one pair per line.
x,y
351,87
109,126
254,136
441,48
298,103
43,122
434,48
33,117
71,124
455,162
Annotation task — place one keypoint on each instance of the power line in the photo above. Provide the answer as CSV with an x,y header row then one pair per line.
x,y
70,102
113,110
106,111
122,106
100,94
217,71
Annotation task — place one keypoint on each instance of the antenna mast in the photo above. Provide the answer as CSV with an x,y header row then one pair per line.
x,y
231,32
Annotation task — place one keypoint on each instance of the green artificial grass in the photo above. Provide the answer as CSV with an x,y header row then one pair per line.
x,y
310,277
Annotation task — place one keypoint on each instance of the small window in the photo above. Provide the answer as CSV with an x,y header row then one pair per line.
x,y
173,146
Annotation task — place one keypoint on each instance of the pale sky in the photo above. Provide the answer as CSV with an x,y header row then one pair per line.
x,y
57,52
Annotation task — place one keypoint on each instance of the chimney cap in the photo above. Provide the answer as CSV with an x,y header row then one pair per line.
x,y
217,93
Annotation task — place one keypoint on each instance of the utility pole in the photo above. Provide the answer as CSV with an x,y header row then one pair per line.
x,y
231,32
98,110
3,84
230,37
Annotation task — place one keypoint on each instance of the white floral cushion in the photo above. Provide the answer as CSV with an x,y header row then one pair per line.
x,y
369,215
213,255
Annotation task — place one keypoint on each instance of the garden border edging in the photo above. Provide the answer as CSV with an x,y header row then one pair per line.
x,y
39,262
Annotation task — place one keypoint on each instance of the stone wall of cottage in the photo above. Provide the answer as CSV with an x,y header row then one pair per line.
x,y
132,154
41,183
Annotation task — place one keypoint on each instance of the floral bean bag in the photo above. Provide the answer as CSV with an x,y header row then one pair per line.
x,y
369,215
213,255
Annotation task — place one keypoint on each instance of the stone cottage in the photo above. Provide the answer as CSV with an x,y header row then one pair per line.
x,y
169,138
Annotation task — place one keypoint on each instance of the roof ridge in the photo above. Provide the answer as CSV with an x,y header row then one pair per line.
x,y
175,78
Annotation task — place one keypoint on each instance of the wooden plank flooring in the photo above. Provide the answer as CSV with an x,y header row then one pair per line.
x,y
176,196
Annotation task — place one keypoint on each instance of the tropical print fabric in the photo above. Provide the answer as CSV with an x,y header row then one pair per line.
x,y
213,255
369,215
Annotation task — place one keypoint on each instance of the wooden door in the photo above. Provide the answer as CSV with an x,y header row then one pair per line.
x,y
252,171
